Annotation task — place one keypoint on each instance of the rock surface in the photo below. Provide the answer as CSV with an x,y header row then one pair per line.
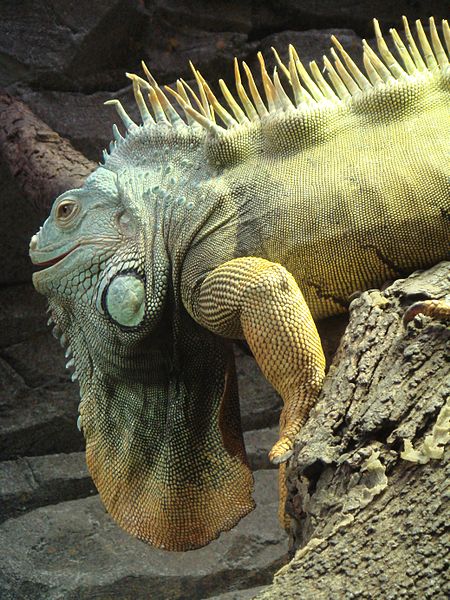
x,y
67,45
89,556
258,442
29,482
37,399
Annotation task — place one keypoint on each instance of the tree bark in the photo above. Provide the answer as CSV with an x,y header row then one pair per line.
x,y
44,164
368,516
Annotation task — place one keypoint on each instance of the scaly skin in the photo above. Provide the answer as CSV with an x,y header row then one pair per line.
x,y
192,234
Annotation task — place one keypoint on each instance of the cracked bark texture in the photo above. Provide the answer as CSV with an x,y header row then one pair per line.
x,y
369,524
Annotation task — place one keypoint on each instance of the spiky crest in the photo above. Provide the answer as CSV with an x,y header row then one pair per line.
x,y
310,90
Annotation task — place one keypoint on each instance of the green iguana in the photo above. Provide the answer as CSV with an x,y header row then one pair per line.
x,y
194,233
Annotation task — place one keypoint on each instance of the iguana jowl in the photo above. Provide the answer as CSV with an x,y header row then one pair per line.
x,y
193,233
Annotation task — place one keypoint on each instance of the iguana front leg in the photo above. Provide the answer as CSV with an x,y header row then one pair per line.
x,y
260,300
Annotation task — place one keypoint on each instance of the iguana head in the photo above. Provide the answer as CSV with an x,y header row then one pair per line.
x,y
93,250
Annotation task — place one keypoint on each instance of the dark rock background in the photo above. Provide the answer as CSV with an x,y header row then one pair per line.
x,y
64,59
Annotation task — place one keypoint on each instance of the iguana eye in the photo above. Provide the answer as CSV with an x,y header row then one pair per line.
x,y
66,211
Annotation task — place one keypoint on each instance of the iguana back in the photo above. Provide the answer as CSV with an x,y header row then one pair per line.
x,y
363,200
346,186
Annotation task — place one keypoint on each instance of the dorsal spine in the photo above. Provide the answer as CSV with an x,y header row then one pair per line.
x,y
310,103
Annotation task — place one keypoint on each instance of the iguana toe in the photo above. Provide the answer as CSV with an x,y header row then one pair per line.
x,y
437,309
281,451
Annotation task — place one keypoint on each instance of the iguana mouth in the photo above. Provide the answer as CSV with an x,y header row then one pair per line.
x,y
54,261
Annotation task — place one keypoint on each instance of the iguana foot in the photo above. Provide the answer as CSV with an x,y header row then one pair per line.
x,y
291,421
437,309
